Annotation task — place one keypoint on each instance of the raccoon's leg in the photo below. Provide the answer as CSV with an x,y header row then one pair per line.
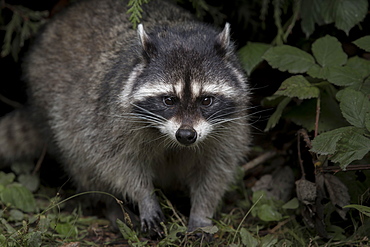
x,y
19,138
137,186
206,191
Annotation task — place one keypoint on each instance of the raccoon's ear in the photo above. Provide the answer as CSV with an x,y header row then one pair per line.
x,y
146,42
223,43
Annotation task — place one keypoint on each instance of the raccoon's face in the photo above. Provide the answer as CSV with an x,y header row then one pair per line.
x,y
189,91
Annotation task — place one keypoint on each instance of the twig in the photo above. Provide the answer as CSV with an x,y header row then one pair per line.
x,y
10,102
336,169
306,138
40,160
299,156
317,116
280,224
259,160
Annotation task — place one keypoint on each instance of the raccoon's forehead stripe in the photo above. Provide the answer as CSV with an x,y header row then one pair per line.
x,y
211,89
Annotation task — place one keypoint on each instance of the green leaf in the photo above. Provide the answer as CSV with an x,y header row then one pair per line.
x,y
16,215
268,213
310,14
329,8
363,43
31,182
362,66
344,76
354,106
328,52
365,87
353,146
346,144
67,230
268,241
289,58
318,72
34,239
128,233
6,178
292,204
247,238
209,229
19,197
275,117
349,13
363,209
326,143
251,55
367,121
298,86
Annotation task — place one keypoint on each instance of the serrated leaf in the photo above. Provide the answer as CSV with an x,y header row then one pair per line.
x,y
328,52
346,144
247,238
328,10
19,197
251,55
367,121
352,146
363,43
310,14
354,105
362,66
344,76
365,87
349,13
272,101
298,86
289,58
318,72
326,143
275,117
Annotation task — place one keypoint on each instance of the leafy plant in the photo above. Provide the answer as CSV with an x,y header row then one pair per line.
x,y
24,23
135,10
327,68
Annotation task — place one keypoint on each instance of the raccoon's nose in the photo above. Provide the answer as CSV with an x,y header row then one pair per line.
x,y
186,135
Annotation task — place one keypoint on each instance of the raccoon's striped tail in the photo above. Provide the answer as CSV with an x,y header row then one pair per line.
x,y
19,138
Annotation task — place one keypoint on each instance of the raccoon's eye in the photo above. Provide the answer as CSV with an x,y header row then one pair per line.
x,y
169,100
207,101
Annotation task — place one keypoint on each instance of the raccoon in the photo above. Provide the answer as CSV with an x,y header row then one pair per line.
x,y
128,111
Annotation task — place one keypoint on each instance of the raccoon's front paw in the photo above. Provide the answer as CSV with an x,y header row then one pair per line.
x,y
194,228
151,222
151,216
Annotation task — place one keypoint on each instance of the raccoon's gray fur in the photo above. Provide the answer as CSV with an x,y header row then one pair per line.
x,y
127,111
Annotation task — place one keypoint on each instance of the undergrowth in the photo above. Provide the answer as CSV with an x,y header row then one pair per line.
x,y
323,100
